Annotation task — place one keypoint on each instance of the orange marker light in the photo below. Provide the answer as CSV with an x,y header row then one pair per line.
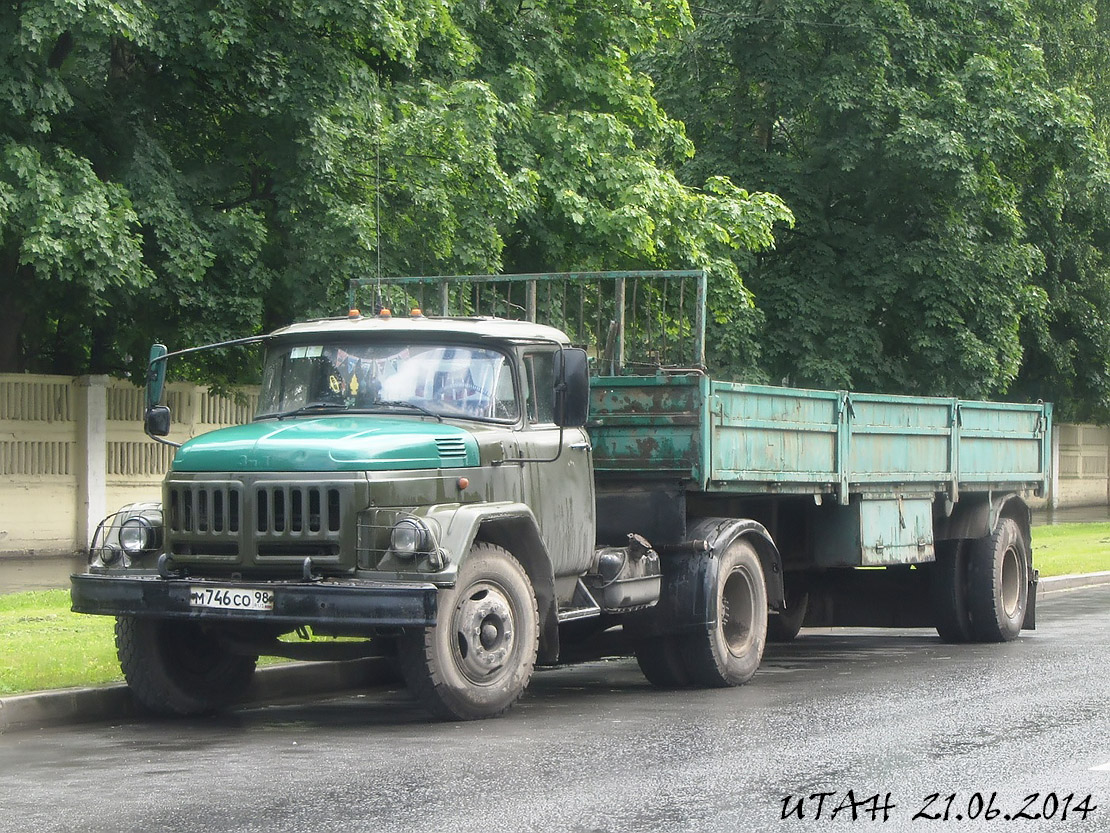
x,y
463,482
354,313
416,312
385,313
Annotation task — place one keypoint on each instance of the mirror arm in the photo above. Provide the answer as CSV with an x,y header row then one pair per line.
x,y
158,439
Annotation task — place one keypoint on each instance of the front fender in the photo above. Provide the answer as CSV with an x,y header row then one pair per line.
x,y
513,527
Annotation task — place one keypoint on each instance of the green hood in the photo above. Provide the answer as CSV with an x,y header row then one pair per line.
x,y
329,443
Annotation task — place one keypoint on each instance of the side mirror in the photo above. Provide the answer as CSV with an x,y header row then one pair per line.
x,y
157,421
572,387
156,376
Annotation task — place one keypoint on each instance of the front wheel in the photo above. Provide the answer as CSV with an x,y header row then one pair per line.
x,y
730,650
179,668
478,658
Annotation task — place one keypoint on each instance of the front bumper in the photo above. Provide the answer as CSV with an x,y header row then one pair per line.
x,y
347,603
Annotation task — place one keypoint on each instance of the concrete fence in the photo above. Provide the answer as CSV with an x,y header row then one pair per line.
x,y
71,450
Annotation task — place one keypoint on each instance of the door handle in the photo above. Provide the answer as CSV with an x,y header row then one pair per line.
x,y
581,446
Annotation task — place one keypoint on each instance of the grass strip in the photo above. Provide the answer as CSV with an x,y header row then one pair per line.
x,y
44,645
1065,549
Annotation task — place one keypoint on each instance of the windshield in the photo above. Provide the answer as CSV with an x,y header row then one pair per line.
x,y
438,379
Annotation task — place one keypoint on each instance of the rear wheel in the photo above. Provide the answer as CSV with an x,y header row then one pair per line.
x,y
478,658
998,583
660,659
949,592
179,668
729,652
784,625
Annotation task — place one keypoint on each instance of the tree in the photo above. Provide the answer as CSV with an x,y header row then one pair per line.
x,y
912,140
192,172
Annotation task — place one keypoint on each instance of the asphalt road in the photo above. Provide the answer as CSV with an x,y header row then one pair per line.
x,y
896,714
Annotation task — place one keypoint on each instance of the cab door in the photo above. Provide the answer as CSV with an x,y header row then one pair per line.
x,y
558,487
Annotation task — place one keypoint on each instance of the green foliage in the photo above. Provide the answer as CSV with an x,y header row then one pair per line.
x,y
190,172
946,179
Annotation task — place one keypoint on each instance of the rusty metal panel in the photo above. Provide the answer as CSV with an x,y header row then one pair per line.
x,y
896,531
650,425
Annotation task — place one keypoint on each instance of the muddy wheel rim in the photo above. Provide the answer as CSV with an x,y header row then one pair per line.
x,y
737,610
484,634
1010,581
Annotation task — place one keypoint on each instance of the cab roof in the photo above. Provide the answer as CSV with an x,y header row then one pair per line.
x,y
406,326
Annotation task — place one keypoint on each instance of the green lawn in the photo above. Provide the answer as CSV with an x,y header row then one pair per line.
x,y
43,645
1071,548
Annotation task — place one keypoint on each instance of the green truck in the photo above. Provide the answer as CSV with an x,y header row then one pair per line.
x,y
473,496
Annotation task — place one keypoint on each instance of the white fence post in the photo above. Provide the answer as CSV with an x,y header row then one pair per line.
x,y
92,455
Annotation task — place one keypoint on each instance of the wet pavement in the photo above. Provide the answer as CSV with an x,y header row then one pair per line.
x,y
846,713
1072,515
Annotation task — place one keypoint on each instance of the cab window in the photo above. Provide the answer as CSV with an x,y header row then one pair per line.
x,y
540,381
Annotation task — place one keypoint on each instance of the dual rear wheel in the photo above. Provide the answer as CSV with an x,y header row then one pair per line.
x,y
981,587
729,650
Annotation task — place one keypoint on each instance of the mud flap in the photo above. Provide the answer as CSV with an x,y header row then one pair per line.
x,y
1029,623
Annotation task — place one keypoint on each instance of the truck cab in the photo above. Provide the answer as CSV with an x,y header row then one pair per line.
x,y
398,469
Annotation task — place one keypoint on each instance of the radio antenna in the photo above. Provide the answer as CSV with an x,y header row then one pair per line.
x,y
378,193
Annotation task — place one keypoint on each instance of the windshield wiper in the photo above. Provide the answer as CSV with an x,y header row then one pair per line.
x,y
400,403
313,408
335,407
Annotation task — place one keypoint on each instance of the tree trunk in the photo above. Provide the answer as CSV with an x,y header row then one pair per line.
x,y
15,281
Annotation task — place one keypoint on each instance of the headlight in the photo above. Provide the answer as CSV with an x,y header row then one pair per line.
x,y
410,537
135,535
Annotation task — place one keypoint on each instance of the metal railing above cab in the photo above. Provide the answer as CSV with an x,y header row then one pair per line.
x,y
628,320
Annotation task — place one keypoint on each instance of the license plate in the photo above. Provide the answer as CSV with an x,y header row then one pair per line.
x,y
231,598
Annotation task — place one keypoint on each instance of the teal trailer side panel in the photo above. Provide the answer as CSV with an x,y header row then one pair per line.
x,y
765,438
757,439
1003,442
894,437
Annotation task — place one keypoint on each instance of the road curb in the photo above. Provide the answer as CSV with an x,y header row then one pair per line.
x,y
23,712
1055,583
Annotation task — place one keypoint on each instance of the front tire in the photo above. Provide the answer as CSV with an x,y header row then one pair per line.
x,y
179,668
729,652
998,583
478,658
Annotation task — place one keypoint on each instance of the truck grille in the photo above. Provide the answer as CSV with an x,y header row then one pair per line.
x,y
257,521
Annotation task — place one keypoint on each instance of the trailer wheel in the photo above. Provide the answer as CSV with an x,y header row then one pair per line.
x,y
729,652
784,626
478,658
179,668
660,659
998,583
949,591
